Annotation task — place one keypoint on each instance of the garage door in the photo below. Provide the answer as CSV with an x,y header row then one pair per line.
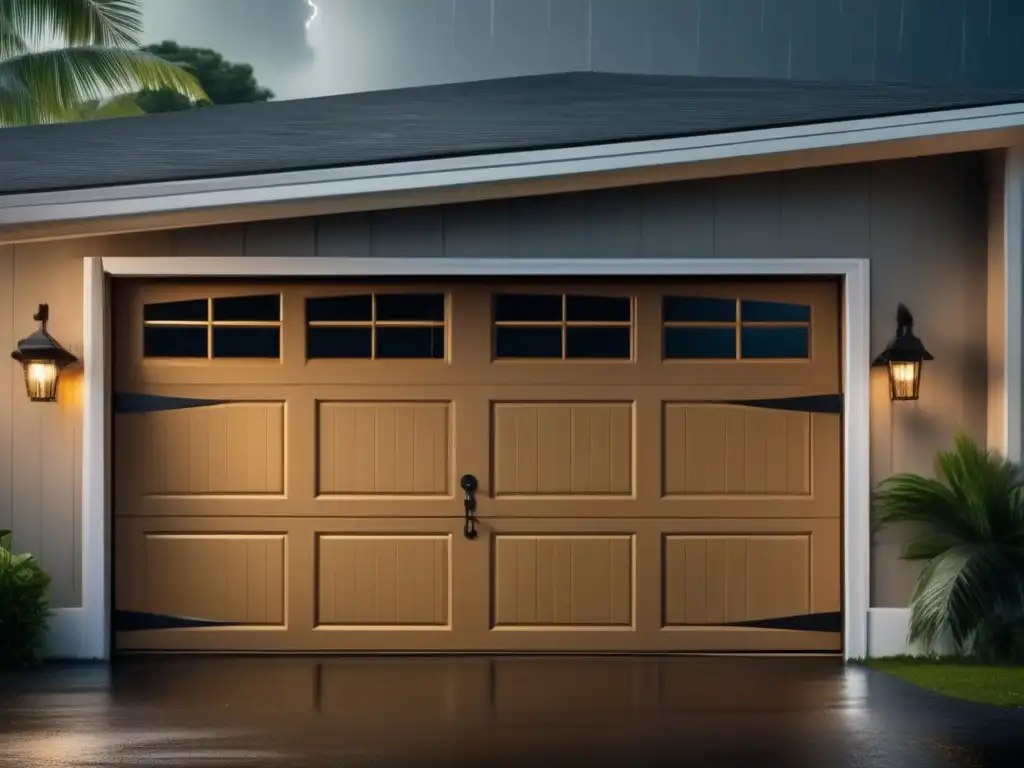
x,y
657,466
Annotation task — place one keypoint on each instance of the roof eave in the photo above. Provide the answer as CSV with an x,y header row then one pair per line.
x,y
946,131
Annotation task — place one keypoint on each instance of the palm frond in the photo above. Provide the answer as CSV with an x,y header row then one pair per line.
x,y
62,80
971,588
11,43
107,23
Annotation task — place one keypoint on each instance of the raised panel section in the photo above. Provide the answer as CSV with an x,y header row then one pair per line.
x,y
712,449
563,581
384,448
715,580
563,449
235,448
383,581
230,578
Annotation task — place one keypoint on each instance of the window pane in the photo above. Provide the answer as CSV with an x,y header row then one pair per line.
x,y
774,312
169,341
698,309
526,307
775,343
247,342
193,309
700,343
410,306
241,308
340,309
347,343
410,342
597,308
598,343
528,342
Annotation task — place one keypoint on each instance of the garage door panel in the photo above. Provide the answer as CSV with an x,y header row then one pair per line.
x,y
723,449
232,448
384,448
368,581
215,578
569,581
562,448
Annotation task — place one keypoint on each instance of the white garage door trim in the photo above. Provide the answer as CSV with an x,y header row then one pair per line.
x,y
85,631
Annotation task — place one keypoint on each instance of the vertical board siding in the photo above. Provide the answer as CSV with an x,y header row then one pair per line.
x,y
41,443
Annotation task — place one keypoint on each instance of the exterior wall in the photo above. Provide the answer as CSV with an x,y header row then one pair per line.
x,y
368,44
921,222
40,443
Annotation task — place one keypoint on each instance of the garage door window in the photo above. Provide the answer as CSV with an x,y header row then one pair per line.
x,y
237,327
704,328
376,327
562,327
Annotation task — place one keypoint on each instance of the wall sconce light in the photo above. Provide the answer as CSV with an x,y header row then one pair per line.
x,y
43,359
903,357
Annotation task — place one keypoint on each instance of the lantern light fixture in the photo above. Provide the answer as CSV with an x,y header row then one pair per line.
x,y
43,359
903,357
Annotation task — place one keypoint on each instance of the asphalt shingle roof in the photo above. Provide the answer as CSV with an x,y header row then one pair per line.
x,y
535,112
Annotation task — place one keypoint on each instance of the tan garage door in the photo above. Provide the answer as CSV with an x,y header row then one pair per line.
x,y
658,466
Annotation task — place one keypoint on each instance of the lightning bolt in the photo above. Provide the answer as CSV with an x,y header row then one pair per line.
x,y
314,11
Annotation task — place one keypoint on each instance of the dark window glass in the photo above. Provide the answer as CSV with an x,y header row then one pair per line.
x,y
598,343
528,342
246,342
410,306
604,309
774,343
344,342
698,309
774,312
410,342
340,309
700,343
253,308
193,309
171,341
527,307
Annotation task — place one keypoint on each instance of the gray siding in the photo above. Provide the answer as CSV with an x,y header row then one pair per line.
x,y
372,44
41,443
922,223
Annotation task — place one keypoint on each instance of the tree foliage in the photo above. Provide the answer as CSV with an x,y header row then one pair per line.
x,y
58,58
223,81
970,537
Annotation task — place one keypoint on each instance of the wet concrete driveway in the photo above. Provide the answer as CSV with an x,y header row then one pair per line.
x,y
505,711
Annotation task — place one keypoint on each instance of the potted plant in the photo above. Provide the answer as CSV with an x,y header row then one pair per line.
x,y
24,606
969,533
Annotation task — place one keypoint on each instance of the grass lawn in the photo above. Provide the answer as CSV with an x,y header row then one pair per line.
x,y
1003,686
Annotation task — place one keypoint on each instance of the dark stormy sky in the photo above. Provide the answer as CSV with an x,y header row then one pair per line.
x,y
355,45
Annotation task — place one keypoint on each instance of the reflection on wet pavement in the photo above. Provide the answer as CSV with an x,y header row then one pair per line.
x,y
639,711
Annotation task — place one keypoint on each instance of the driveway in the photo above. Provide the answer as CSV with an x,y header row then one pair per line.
x,y
504,711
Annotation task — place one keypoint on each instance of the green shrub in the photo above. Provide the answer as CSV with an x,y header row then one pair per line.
x,y
970,536
24,606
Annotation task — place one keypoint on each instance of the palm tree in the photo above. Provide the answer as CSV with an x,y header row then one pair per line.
x,y
59,58
969,532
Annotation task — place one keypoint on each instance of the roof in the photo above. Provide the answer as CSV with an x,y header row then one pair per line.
x,y
442,121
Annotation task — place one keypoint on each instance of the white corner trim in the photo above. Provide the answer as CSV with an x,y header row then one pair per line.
x,y
95,469
856,386
1013,320
857,459
887,632
294,186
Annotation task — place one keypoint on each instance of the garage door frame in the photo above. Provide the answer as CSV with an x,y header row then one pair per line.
x,y
97,402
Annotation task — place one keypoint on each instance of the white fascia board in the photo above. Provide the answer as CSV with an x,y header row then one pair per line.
x,y
297,186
